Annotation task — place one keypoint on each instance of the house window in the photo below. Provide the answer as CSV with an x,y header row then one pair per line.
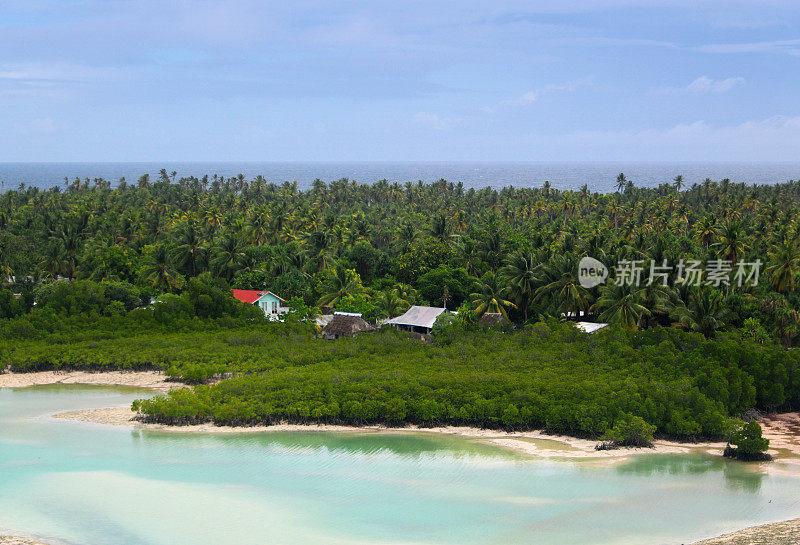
x,y
274,307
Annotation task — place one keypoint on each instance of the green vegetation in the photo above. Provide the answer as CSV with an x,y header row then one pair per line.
x,y
628,431
548,375
746,443
382,247
152,265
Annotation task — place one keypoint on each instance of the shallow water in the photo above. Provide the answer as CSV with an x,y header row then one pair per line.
x,y
72,482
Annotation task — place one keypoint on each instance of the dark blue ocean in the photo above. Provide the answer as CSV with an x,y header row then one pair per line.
x,y
598,176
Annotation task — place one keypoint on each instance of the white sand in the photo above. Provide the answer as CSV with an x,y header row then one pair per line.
x,y
778,533
532,443
143,379
11,540
782,430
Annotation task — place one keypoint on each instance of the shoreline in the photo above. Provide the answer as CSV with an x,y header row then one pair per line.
x,y
783,430
154,380
775,533
784,442
530,443
14,540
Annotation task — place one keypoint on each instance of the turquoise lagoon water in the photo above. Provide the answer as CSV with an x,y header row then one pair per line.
x,y
78,483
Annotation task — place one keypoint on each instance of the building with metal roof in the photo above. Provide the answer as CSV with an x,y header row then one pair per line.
x,y
590,327
417,319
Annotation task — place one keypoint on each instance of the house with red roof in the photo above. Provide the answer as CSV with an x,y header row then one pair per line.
x,y
273,305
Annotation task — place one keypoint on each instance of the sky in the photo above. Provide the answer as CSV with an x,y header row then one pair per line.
x,y
248,80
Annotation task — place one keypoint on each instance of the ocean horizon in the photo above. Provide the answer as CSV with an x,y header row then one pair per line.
x,y
598,176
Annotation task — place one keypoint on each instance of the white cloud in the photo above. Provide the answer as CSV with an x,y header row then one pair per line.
x,y
787,47
435,122
535,94
772,139
56,72
705,85
729,20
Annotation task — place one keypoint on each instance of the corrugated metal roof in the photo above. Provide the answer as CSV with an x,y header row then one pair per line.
x,y
589,327
323,319
251,296
247,296
418,317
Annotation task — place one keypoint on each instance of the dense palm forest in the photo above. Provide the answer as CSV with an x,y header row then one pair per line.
x,y
682,357
378,248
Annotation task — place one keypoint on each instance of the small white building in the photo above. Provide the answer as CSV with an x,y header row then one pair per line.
x,y
590,327
417,319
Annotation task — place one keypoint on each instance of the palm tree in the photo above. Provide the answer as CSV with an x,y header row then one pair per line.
x,y
678,182
731,246
706,231
287,258
787,324
490,297
258,227
69,238
52,260
189,252
562,286
569,208
318,251
622,182
658,299
467,249
213,220
614,209
438,228
621,304
406,293
158,270
520,274
227,256
492,249
784,266
704,313
340,283
785,320
546,189
389,303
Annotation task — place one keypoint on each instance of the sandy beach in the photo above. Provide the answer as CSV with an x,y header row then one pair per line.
x,y
531,443
143,379
11,540
783,430
777,533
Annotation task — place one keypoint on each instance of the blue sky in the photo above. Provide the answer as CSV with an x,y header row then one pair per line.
x,y
239,80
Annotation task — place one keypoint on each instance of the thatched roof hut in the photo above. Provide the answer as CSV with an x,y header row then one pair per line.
x,y
345,324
